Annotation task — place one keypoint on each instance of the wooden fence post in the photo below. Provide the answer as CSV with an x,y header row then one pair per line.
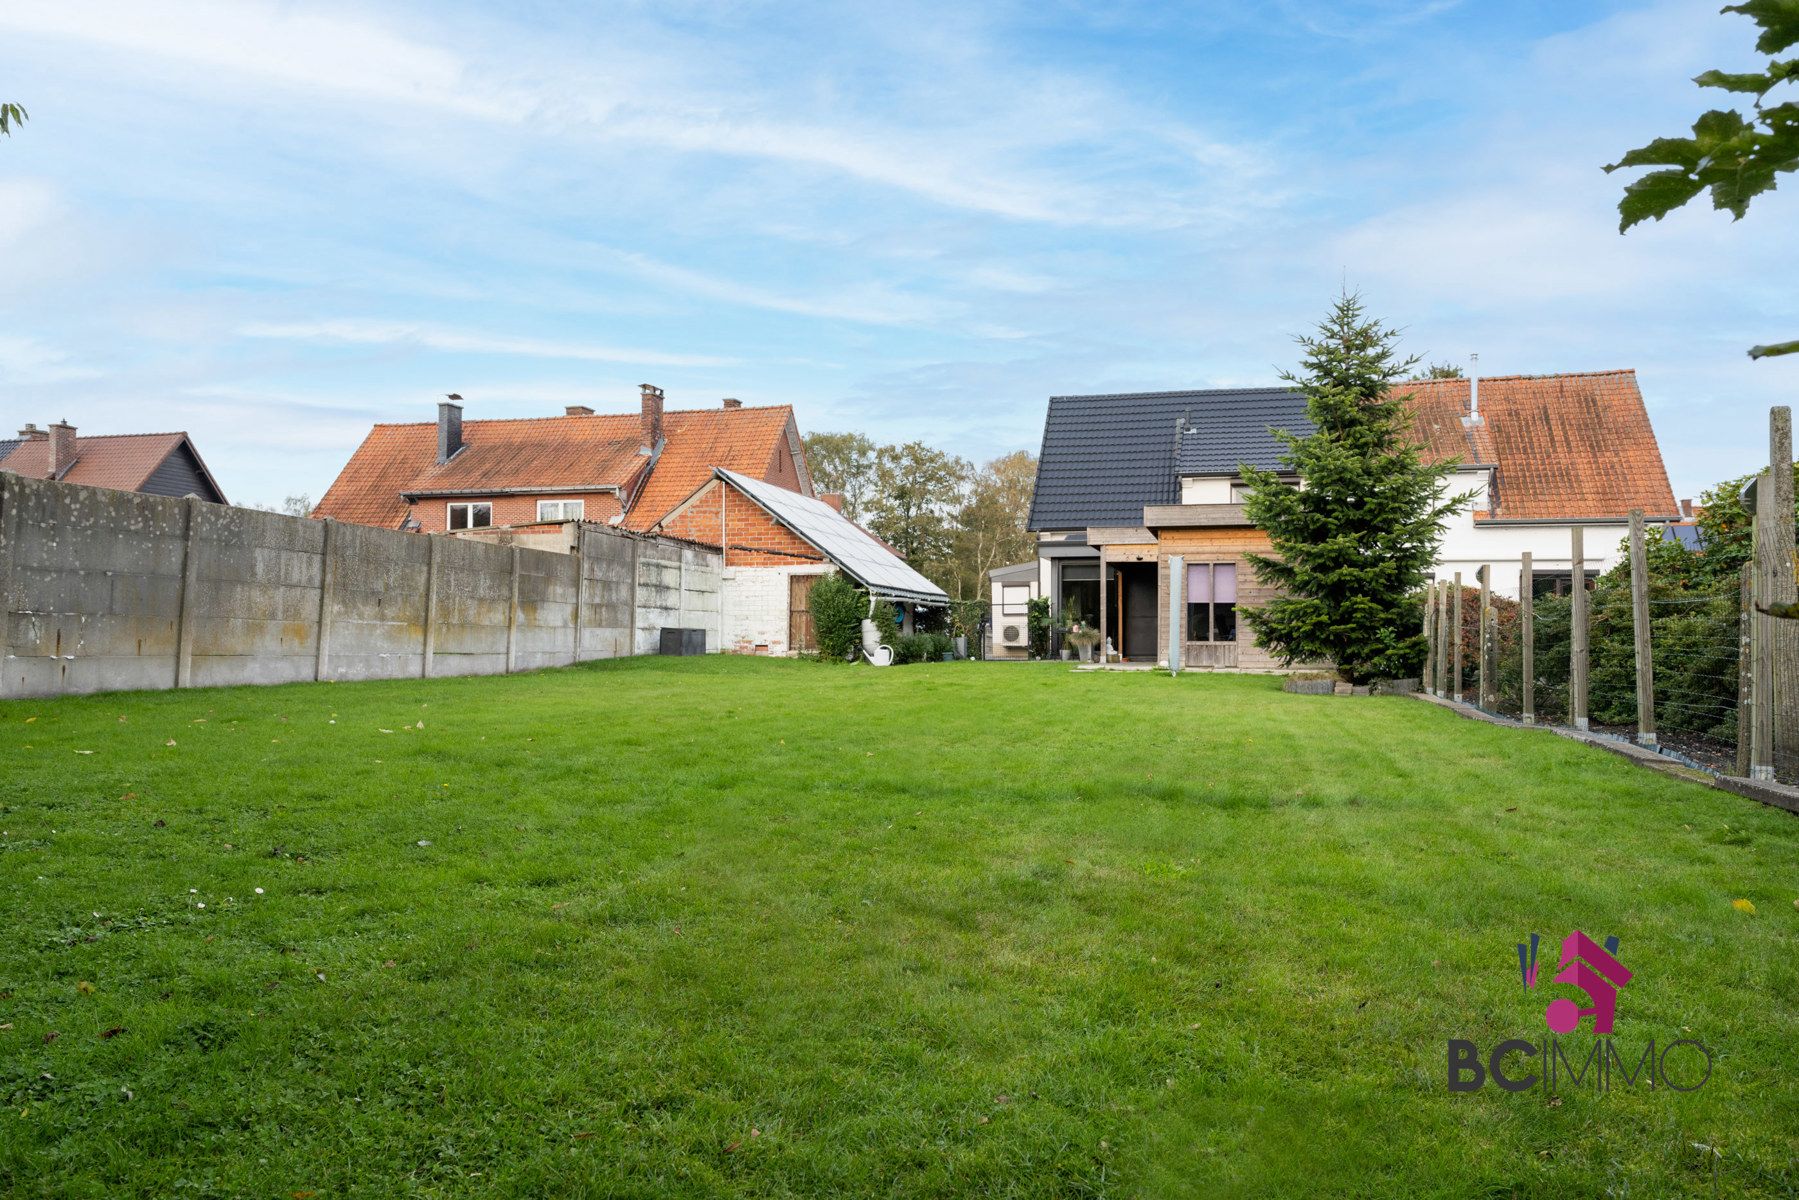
x,y
1745,669
1783,641
1761,685
1429,679
1577,635
1639,621
1456,615
1442,602
1527,600
430,607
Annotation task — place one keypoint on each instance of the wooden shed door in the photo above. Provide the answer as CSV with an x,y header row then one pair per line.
x,y
800,637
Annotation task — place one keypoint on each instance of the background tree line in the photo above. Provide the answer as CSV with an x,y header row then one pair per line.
x,y
954,521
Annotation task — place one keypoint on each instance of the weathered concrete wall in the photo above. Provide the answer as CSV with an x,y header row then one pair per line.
x,y
677,585
103,591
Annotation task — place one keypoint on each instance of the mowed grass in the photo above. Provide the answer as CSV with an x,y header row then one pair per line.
x,y
749,927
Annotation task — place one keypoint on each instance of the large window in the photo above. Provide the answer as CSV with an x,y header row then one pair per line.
x,y
1212,602
561,510
471,516
1080,593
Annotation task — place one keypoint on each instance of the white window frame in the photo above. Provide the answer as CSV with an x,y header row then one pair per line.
x,y
561,512
469,517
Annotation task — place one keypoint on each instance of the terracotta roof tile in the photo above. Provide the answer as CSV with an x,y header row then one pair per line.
x,y
1565,446
739,439
123,462
554,452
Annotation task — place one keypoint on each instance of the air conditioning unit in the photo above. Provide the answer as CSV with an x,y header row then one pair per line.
x,y
1013,632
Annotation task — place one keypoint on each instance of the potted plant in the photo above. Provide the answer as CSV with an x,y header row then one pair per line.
x,y
1083,638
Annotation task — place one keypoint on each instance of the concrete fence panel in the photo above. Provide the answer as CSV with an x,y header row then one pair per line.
x,y
104,591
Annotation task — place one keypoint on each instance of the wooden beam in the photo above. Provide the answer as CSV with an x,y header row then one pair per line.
x,y
1785,641
1456,617
1527,600
1745,668
1487,694
1429,673
1442,602
1761,732
1639,621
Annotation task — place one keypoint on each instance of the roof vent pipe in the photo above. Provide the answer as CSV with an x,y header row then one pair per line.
x,y
1474,386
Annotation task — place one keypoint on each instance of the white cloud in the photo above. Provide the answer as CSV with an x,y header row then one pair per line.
x,y
25,360
402,333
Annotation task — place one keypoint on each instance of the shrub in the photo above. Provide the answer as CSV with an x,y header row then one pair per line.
x,y
1037,619
910,648
838,607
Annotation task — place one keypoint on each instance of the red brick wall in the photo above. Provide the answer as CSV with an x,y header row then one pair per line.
x,y
756,540
433,515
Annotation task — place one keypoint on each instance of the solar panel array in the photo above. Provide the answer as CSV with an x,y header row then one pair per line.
x,y
858,554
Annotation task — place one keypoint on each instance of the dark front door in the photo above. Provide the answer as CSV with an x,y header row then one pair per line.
x,y
1131,623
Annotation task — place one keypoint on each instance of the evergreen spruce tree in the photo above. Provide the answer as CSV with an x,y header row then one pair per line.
x,y
1350,547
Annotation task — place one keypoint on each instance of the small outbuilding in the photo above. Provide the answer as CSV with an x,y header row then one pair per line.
x,y
777,543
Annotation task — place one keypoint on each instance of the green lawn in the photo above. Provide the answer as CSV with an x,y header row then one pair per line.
x,y
734,926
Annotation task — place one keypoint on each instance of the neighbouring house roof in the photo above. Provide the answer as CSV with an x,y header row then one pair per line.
x,y
397,463
158,464
1566,447
1105,457
855,551
1563,447
1023,570
749,442
1226,429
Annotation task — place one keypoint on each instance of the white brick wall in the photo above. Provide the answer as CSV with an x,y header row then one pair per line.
x,y
756,606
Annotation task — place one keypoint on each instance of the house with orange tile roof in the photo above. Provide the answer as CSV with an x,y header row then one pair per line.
x,y
1128,482
623,469
157,464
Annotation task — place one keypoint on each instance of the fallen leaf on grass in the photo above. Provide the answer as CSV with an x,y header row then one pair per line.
x,y
114,1032
583,1135
388,965
85,988
1743,906
731,1147
385,730
84,751
51,1037
29,720
8,1025
170,742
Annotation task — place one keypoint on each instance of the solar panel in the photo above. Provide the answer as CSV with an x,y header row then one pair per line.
x,y
853,550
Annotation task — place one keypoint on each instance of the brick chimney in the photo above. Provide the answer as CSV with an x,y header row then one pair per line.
x,y
733,402
62,448
577,410
652,415
834,499
449,428
32,433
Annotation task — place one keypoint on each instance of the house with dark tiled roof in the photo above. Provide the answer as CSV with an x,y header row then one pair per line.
x,y
1127,482
157,464
623,469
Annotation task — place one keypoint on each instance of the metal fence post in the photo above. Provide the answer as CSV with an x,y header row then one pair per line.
x,y
1577,635
1639,620
1527,600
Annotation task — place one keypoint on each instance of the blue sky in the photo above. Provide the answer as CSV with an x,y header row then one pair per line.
x,y
272,224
